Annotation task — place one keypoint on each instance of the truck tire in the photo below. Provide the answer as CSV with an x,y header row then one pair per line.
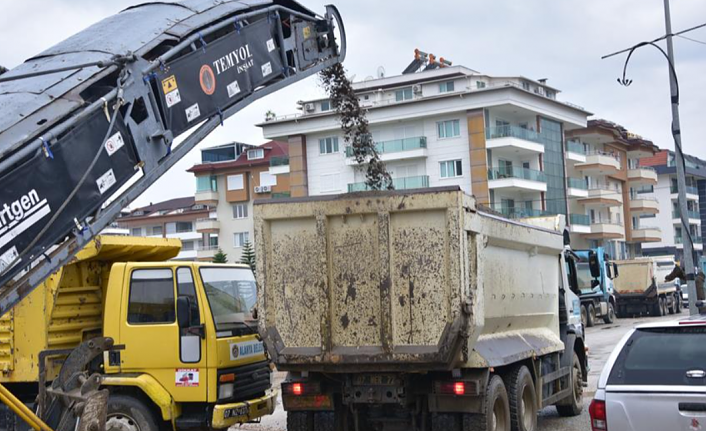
x,y
523,399
590,316
325,421
671,308
610,315
677,301
584,316
299,421
622,313
573,405
497,409
126,413
445,422
657,308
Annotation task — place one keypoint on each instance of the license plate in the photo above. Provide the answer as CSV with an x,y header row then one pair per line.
x,y
375,380
236,412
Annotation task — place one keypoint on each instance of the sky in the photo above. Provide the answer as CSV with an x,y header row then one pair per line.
x,y
561,40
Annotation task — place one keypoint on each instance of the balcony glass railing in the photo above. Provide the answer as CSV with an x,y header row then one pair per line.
x,y
694,238
206,184
520,212
581,219
418,182
499,173
279,161
575,147
690,213
513,132
689,190
281,195
578,183
396,145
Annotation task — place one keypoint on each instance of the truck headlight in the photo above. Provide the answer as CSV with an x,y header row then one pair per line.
x,y
225,391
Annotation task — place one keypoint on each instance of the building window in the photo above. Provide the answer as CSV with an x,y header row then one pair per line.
x,y
446,87
328,145
184,227
151,297
258,153
325,106
213,241
235,182
480,84
240,238
267,179
451,169
206,184
403,94
156,230
187,245
448,129
240,211
551,94
525,85
136,231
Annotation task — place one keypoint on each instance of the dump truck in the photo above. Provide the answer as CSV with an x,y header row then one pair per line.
x,y
596,273
642,289
184,353
414,310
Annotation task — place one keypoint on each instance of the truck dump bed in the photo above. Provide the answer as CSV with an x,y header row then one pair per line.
x,y
403,280
635,277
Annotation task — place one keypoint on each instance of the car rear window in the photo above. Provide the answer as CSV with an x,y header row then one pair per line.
x,y
661,357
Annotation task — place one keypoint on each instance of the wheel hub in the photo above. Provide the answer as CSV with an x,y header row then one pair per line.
x,y
121,423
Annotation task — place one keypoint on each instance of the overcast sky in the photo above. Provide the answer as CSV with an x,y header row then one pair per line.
x,y
561,40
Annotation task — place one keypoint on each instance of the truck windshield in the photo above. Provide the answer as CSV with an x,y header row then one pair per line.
x,y
231,293
583,272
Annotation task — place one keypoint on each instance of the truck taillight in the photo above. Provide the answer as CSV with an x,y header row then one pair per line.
x,y
301,388
458,388
297,388
598,415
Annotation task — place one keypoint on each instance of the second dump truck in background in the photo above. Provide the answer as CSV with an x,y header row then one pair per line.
x,y
641,288
413,310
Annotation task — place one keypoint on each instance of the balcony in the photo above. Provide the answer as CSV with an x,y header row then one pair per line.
x,y
575,151
599,163
206,197
507,140
697,241
605,229
208,225
518,213
646,234
407,183
691,192
693,215
579,223
207,253
577,188
397,149
279,165
642,176
516,179
602,197
644,205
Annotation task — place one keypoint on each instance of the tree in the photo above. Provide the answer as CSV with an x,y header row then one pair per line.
x,y
220,257
248,255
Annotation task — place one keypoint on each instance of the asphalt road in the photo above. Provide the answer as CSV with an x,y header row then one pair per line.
x,y
600,339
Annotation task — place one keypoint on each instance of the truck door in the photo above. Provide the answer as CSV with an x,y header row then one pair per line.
x,y
154,343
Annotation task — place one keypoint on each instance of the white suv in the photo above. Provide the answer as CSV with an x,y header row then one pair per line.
x,y
655,379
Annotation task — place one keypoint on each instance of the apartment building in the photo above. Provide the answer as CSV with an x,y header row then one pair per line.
x,y
228,179
668,219
175,218
605,189
499,138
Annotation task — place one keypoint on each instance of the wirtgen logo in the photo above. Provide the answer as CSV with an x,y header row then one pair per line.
x,y
21,214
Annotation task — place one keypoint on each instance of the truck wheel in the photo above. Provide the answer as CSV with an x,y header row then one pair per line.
x,y
573,405
671,308
610,316
445,422
126,413
325,421
657,308
590,316
300,421
584,316
523,399
622,313
496,416
677,302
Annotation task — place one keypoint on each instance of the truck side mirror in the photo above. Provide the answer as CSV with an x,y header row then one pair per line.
x,y
573,277
608,271
183,308
615,270
594,264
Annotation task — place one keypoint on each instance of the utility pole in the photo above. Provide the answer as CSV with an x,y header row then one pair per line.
x,y
688,261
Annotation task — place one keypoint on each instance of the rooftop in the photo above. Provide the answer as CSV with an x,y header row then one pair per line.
x,y
169,207
271,149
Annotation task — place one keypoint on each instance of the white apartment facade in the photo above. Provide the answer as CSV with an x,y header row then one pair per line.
x,y
499,138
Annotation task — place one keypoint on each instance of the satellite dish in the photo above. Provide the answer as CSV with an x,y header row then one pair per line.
x,y
381,72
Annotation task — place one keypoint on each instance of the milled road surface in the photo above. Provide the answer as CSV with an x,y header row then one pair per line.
x,y
601,340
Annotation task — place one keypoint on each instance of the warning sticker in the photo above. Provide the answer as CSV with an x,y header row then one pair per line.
x,y
114,143
270,45
172,98
186,377
233,89
8,258
193,112
169,84
106,181
306,32
266,69
207,79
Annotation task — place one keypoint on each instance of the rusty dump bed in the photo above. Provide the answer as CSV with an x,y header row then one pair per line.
x,y
403,280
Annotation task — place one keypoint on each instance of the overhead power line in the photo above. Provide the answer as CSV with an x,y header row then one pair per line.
x,y
657,40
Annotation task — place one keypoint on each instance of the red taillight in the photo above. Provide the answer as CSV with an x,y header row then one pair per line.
x,y
297,389
598,415
301,388
459,388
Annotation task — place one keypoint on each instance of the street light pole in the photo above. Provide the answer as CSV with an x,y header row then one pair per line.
x,y
687,261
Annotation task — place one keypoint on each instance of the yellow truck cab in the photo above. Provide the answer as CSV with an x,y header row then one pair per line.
x,y
186,354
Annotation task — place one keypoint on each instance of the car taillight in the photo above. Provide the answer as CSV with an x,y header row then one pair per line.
x,y
598,415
